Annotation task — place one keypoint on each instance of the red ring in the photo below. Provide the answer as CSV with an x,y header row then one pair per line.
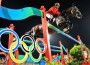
x,y
45,46
6,57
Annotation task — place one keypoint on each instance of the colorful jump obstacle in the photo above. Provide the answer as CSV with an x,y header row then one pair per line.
x,y
33,11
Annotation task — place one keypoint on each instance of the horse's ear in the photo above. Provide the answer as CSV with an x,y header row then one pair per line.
x,y
73,5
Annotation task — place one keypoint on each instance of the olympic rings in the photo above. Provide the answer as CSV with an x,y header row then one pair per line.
x,y
16,35
45,46
14,46
30,37
5,56
12,56
31,56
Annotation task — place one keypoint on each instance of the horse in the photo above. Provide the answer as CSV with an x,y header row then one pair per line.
x,y
61,22
36,31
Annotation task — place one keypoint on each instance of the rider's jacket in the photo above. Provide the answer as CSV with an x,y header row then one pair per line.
x,y
53,11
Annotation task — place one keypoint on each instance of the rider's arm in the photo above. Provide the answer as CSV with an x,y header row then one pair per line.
x,y
58,13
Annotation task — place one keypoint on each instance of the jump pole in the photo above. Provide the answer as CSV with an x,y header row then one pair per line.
x,y
61,54
68,55
9,43
45,35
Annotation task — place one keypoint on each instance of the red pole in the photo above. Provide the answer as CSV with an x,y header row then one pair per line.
x,y
62,59
79,39
45,35
68,55
0,2
80,44
9,43
85,58
17,54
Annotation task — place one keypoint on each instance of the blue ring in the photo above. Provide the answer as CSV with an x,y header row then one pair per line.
x,y
16,35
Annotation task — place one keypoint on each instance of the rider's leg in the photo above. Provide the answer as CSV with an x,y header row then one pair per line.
x,y
49,17
54,19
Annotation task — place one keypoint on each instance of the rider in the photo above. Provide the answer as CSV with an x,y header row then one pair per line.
x,y
53,11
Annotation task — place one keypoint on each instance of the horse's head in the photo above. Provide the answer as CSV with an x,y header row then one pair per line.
x,y
75,12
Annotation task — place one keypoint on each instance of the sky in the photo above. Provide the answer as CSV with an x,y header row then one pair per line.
x,y
81,27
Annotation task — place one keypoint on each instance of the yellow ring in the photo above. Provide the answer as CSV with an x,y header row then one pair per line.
x,y
12,56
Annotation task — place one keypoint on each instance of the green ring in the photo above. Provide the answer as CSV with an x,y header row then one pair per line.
x,y
30,53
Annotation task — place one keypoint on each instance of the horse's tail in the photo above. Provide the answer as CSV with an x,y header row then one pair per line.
x,y
30,32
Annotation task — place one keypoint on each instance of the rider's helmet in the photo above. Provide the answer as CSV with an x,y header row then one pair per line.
x,y
57,4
